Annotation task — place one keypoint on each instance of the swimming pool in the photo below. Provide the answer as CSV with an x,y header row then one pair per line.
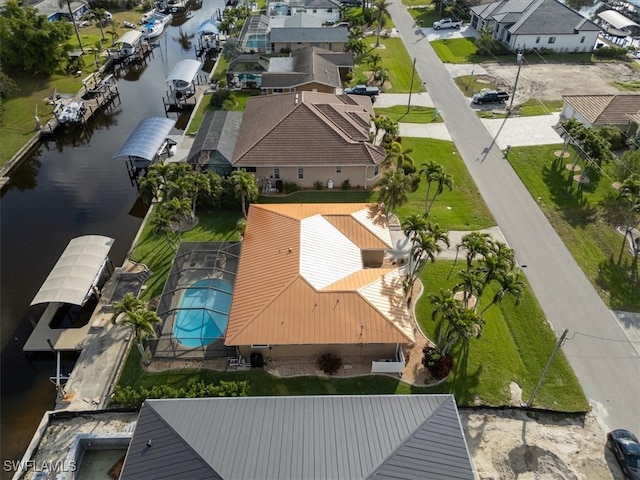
x,y
203,313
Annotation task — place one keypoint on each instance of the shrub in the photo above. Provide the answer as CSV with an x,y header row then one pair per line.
x,y
318,185
220,96
438,365
612,135
611,52
290,187
346,185
329,363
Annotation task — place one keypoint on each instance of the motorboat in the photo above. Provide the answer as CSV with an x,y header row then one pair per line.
x,y
147,16
70,112
154,27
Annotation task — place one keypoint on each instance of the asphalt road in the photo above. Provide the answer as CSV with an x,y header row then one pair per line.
x,y
606,363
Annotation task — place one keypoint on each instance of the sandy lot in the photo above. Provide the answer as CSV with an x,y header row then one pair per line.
x,y
551,81
508,445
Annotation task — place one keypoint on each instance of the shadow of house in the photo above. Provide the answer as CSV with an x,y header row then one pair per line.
x,y
215,142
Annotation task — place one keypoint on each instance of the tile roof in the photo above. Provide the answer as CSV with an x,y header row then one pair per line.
x,y
301,279
400,437
306,129
605,109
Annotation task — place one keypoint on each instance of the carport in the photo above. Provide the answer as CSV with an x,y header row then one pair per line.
x,y
182,78
616,24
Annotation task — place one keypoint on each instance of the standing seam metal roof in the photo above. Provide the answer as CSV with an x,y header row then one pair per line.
x,y
185,70
147,138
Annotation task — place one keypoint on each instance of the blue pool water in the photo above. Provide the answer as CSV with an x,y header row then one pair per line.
x,y
203,313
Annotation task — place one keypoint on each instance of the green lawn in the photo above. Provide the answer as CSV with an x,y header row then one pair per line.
x,y
395,59
585,219
398,113
204,106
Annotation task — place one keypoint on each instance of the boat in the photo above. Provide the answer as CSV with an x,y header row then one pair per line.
x,y
69,112
147,16
154,27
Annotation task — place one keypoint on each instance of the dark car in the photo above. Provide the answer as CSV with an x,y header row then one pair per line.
x,y
626,449
490,96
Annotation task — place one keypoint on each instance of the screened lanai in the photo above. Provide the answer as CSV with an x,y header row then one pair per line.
x,y
194,306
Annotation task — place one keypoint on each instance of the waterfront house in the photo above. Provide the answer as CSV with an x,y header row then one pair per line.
x,y
620,111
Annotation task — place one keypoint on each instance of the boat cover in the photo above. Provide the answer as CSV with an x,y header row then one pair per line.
x,y
185,70
208,27
130,38
146,139
617,20
73,276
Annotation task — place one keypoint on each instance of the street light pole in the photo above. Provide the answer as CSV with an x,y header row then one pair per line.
x,y
546,368
413,71
519,59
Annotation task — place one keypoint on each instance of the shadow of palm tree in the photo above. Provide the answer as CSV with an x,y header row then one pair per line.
x,y
622,282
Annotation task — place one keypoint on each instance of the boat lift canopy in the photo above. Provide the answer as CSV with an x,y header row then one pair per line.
x,y
148,137
132,37
184,71
620,25
75,274
208,27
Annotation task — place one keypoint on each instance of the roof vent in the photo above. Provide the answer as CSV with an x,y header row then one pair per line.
x,y
296,100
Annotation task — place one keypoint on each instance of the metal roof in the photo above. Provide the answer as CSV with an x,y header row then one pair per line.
x,y
185,70
216,139
147,138
617,20
208,27
309,35
75,272
131,37
308,437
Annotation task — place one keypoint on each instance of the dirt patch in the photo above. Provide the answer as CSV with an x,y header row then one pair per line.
x,y
551,81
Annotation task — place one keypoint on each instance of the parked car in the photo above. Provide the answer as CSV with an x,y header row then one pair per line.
x,y
362,90
447,23
626,449
490,96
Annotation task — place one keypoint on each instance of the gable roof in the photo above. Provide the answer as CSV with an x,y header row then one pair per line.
x,y
216,139
301,278
307,129
309,64
536,17
309,35
605,109
308,437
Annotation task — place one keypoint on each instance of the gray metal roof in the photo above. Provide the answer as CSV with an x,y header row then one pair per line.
x,y
309,35
617,20
312,437
76,270
147,138
208,27
185,70
216,139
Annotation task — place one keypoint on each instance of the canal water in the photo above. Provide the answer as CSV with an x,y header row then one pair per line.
x,y
65,189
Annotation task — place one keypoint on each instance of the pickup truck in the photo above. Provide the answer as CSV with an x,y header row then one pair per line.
x,y
490,96
362,90
446,23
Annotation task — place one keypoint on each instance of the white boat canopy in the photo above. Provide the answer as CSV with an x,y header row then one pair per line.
x,y
184,71
208,27
617,20
132,37
148,137
76,272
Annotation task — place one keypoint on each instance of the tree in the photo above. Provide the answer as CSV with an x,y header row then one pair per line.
x,y
470,284
445,306
381,7
161,223
400,158
245,188
425,245
374,61
441,179
139,318
394,189
510,284
73,21
630,191
381,76
99,15
497,260
475,244
29,42
457,323
413,225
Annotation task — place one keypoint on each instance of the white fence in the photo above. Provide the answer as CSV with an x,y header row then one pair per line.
x,y
390,365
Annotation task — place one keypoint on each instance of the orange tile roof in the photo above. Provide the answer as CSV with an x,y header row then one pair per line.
x,y
275,304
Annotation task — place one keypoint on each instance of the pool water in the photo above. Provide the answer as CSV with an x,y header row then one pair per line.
x,y
203,313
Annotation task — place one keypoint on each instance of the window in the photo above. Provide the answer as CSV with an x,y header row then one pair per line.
x,y
537,39
582,39
300,172
338,169
276,172
376,170
278,90
329,10
552,40
315,11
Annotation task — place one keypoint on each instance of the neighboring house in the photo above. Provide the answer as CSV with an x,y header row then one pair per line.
x,y
309,137
55,10
528,24
309,69
620,111
327,11
212,149
254,36
378,437
246,70
316,279
287,39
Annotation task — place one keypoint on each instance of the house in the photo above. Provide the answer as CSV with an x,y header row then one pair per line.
x,y
55,10
309,137
212,149
620,111
308,69
327,11
246,70
528,24
288,39
315,279
375,437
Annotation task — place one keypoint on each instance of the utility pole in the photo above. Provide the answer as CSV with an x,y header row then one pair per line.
x,y
519,60
413,71
546,368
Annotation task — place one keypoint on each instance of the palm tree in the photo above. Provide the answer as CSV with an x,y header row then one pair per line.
x,y
381,7
99,15
470,284
445,306
381,76
630,190
129,303
429,170
475,243
499,259
73,20
400,158
142,323
394,189
413,225
441,179
161,223
464,325
511,284
374,62
424,248
245,188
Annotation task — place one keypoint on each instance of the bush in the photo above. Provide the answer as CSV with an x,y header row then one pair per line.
x,y
611,52
612,135
318,185
290,187
329,363
346,185
438,365
220,96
